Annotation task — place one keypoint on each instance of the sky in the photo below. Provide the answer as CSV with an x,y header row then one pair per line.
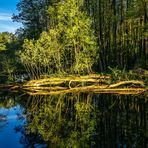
x,y
7,8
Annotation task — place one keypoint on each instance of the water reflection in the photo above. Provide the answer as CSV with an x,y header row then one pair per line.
x,y
82,120
8,135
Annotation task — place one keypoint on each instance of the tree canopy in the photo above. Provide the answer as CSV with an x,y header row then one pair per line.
x,y
69,45
80,36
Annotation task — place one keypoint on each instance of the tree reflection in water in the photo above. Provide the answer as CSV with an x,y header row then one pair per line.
x,y
86,120
80,120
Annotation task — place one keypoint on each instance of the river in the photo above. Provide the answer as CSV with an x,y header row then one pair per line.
x,y
74,120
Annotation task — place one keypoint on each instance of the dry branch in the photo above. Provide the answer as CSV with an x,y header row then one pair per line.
x,y
98,85
126,82
95,90
57,81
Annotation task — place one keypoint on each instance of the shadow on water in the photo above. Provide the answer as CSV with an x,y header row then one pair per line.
x,y
77,120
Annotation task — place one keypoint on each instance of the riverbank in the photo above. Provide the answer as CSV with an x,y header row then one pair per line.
x,y
89,83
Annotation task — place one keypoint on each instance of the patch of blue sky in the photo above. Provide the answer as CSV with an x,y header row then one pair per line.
x,y
7,8
9,26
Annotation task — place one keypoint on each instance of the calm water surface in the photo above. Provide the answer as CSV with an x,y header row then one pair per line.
x,y
78,120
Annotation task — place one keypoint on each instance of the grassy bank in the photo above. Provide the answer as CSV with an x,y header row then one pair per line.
x,y
116,82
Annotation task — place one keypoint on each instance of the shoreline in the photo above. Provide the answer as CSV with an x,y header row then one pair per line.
x,y
89,83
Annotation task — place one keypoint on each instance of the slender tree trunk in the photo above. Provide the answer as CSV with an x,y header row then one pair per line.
x,y
114,31
145,51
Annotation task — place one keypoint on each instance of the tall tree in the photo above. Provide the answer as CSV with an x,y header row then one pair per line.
x,y
68,47
120,28
34,17
8,58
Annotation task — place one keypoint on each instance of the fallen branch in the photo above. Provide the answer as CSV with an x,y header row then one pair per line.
x,y
94,90
125,83
89,83
59,81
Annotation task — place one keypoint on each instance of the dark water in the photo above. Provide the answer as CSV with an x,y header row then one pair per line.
x,y
82,120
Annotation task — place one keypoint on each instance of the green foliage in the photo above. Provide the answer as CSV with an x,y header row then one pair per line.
x,y
118,74
61,121
123,75
8,59
82,119
68,47
115,31
33,15
5,39
7,67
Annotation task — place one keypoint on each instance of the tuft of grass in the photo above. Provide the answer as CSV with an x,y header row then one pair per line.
x,y
123,75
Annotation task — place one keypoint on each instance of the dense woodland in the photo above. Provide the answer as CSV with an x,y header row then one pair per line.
x,y
75,37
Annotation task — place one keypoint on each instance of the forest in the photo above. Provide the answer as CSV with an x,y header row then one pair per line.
x,y
75,75
76,37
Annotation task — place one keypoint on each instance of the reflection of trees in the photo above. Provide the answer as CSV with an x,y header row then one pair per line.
x,y
7,102
123,121
84,120
29,140
62,120
3,121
